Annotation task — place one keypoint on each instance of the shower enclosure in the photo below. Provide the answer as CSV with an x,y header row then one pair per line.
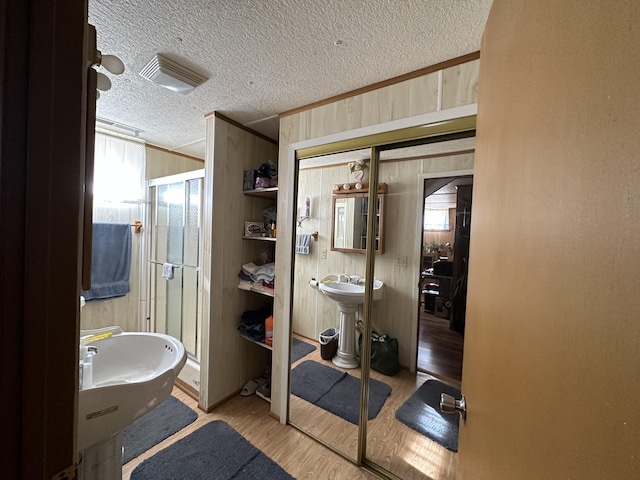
x,y
175,216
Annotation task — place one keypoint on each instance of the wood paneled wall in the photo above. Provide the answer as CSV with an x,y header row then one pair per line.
x,y
229,361
162,163
453,86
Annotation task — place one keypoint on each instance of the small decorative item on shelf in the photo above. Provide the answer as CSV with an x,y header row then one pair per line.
x,y
357,169
253,229
266,176
249,180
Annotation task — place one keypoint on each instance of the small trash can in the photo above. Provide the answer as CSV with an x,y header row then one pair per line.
x,y
329,343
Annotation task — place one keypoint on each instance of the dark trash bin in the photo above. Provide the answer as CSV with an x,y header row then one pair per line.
x,y
329,343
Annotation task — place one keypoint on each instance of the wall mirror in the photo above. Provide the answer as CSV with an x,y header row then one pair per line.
x,y
359,420
349,222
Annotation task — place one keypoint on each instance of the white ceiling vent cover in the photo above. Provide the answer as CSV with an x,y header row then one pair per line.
x,y
171,75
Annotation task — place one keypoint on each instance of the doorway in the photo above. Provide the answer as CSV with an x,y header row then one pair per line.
x,y
446,221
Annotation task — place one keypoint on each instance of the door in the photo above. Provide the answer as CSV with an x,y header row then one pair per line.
x,y
174,279
551,356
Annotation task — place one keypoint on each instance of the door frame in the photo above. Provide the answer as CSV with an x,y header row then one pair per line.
x,y
415,323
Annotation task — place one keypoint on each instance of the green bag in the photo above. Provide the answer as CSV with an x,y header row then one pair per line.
x,y
384,353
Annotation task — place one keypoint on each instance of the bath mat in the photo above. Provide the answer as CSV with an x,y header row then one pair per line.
x,y
213,451
421,412
300,349
335,391
154,426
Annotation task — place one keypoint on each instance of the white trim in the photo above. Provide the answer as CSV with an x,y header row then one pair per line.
x,y
178,177
287,201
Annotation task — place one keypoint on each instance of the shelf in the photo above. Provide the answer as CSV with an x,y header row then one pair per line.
x,y
256,290
270,192
263,345
261,239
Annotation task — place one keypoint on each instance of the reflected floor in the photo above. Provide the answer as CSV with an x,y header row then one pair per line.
x,y
391,444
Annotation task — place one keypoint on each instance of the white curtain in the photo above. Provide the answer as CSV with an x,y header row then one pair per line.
x,y
436,219
119,170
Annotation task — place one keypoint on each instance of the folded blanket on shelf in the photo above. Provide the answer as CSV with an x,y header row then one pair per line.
x,y
265,272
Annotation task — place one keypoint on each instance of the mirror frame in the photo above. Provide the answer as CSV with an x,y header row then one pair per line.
x,y
380,247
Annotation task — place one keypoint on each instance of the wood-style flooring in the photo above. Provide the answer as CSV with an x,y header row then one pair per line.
x,y
439,348
298,454
390,444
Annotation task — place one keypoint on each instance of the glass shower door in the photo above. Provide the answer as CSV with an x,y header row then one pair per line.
x,y
174,258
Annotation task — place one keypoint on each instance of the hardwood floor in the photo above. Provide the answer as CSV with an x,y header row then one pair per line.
x,y
391,444
439,348
297,453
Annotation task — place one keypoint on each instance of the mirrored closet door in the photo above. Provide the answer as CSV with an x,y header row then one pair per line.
x,y
342,295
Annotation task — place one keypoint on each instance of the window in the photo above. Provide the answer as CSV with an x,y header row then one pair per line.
x,y
436,219
119,170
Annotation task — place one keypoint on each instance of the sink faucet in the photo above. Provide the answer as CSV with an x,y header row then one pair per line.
x,y
355,279
344,278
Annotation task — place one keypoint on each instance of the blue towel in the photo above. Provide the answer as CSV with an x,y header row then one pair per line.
x,y
110,261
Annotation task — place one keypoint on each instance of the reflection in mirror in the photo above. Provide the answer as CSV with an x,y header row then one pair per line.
x,y
403,425
349,226
324,400
390,443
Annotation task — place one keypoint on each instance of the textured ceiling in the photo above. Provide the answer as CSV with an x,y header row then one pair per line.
x,y
264,57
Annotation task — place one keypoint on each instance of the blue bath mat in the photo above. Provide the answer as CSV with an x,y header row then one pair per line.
x,y
300,349
169,417
336,391
213,451
422,413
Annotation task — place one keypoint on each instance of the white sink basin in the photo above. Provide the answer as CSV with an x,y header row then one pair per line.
x,y
132,373
348,293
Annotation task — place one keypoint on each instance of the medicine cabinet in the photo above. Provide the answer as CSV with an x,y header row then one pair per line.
x,y
349,222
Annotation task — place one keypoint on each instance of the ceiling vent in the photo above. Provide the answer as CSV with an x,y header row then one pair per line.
x,y
172,75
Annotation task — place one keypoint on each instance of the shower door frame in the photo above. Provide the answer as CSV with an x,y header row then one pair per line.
x,y
151,262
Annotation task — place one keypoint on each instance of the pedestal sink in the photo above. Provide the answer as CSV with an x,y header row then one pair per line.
x,y
348,292
131,374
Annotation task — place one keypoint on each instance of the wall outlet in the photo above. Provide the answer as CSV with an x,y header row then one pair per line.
x,y
401,260
323,253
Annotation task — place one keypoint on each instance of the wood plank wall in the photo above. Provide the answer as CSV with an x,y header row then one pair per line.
x,y
229,361
453,86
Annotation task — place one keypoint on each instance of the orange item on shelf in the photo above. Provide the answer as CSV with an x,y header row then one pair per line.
x,y
268,330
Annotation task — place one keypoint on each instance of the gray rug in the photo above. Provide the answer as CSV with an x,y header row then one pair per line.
x,y
421,412
154,426
300,349
213,451
335,391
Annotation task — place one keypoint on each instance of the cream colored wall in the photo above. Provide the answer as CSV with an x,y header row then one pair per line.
x,y
228,361
398,101
162,163
552,340
121,311
125,311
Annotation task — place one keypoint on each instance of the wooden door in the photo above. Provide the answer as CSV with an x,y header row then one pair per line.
x,y
552,346
42,108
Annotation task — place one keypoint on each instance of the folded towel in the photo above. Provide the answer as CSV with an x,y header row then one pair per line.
x,y
265,272
249,267
303,242
110,261
167,271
